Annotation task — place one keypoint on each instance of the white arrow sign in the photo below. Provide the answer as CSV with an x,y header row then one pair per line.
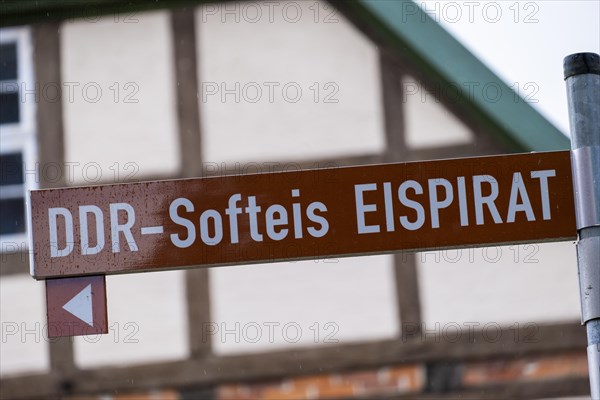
x,y
81,306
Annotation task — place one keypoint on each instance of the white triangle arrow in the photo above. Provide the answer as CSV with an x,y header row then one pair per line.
x,y
81,306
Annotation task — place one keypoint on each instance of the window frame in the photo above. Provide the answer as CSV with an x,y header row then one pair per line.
x,y
21,136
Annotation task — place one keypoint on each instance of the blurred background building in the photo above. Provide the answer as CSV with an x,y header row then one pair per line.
x,y
116,91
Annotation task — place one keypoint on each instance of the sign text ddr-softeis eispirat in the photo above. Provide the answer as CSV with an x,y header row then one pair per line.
x,y
302,214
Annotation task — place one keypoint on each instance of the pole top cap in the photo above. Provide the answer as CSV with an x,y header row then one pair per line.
x,y
581,63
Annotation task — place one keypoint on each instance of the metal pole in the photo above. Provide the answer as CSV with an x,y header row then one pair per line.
x,y
582,76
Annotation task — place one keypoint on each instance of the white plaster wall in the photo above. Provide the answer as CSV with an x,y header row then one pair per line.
x,y
137,124
505,285
24,341
147,318
286,47
428,122
309,303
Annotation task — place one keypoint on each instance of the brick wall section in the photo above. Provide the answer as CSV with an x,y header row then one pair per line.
x,y
408,379
525,370
150,395
387,381
154,395
392,380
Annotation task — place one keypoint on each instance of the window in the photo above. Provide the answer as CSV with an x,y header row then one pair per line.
x,y
17,135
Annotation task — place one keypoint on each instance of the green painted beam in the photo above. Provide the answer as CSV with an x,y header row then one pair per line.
x,y
404,24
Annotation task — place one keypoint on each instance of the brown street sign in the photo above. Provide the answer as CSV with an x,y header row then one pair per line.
x,y
332,212
76,306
